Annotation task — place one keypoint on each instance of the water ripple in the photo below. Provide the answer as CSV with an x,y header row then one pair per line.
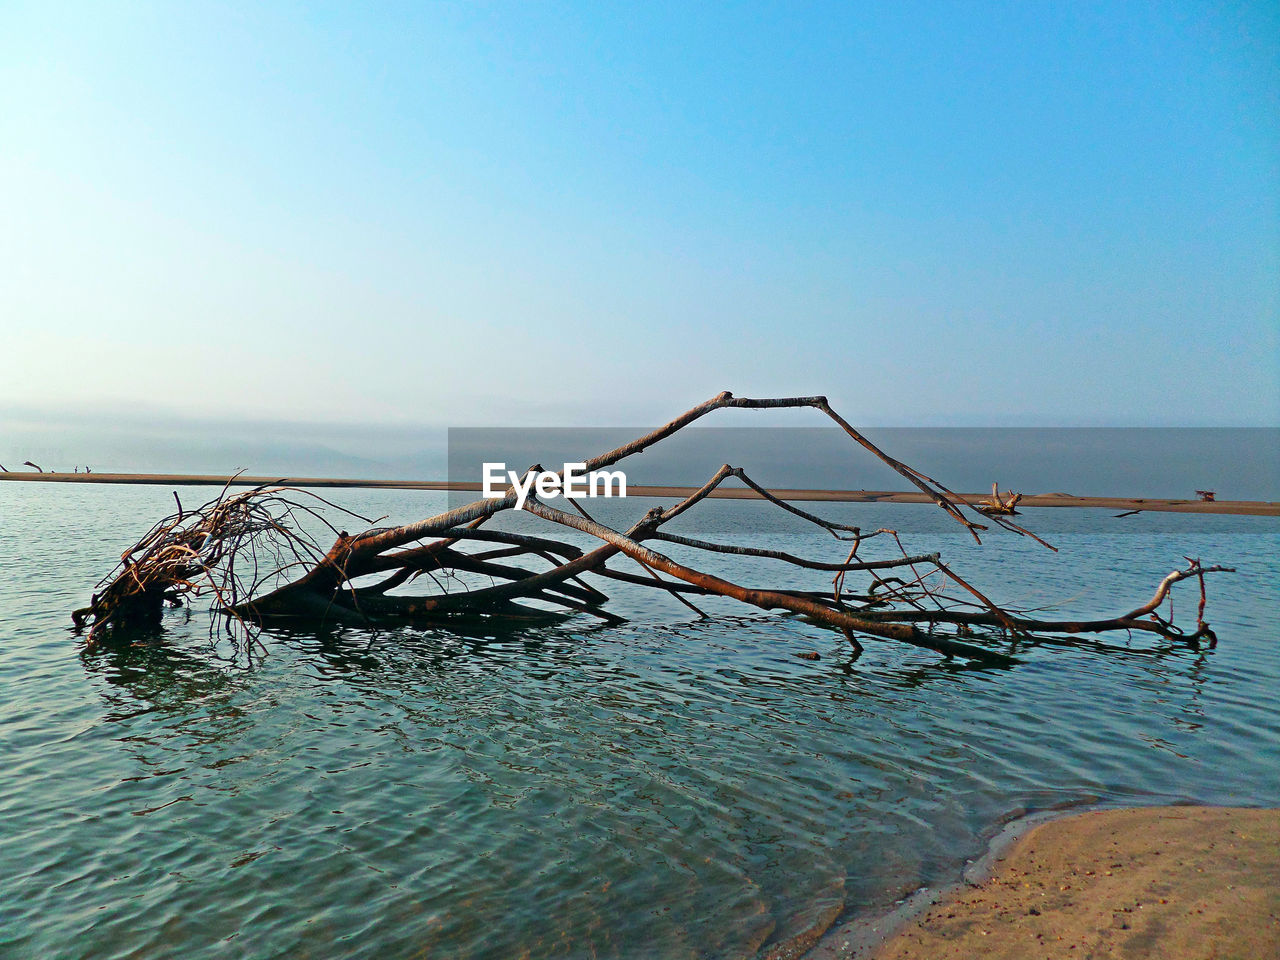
x,y
674,788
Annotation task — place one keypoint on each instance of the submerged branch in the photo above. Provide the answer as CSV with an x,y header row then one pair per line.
x,y
251,556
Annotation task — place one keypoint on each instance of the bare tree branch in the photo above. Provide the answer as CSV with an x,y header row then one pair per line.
x,y
251,556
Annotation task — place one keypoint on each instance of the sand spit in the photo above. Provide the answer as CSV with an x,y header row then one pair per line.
x,y
1157,882
1259,508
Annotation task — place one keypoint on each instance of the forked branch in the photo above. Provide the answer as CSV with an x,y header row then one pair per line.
x,y
252,557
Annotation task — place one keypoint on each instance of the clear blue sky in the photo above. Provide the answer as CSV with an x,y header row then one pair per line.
x,y
1057,213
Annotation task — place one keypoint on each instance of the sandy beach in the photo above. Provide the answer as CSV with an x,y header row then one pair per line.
x,y
1257,508
1164,883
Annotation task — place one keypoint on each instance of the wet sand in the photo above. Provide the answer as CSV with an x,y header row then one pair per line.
x,y
1259,508
1164,883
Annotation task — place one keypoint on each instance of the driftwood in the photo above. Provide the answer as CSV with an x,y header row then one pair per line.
x,y
1004,506
250,555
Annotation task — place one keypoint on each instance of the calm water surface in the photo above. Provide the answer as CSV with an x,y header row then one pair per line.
x,y
667,788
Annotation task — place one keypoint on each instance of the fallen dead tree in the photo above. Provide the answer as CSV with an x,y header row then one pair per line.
x,y
249,554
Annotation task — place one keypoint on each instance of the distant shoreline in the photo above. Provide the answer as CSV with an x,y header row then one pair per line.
x,y
1255,508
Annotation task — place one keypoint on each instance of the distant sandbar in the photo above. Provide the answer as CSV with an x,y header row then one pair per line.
x,y
1257,508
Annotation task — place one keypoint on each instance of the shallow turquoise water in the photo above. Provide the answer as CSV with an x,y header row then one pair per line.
x,y
667,788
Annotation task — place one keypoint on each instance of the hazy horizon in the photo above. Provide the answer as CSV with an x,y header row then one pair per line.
x,y
1238,462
